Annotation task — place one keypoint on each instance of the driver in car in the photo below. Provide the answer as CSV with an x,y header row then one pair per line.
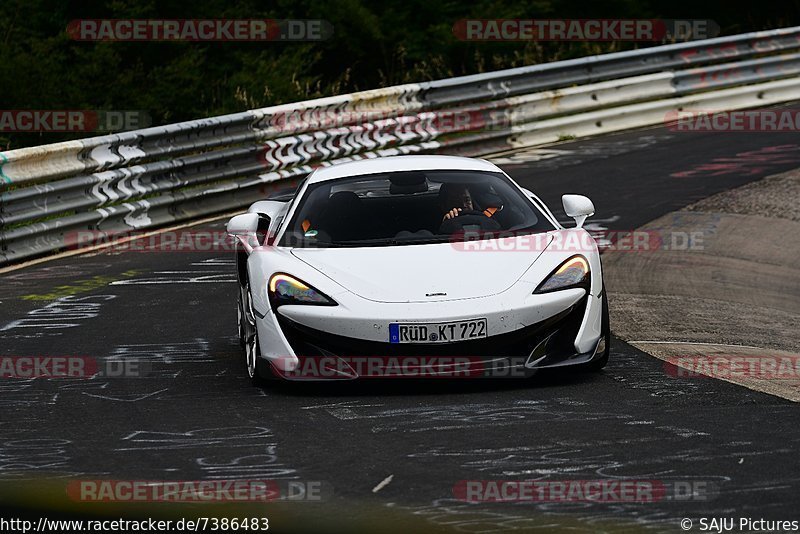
x,y
455,198
460,211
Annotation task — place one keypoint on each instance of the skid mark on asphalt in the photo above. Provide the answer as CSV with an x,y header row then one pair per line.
x,y
750,163
650,379
588,150
460,516
216,453
133,397
459,416
677,473
180,277
65,312
23,457
196,351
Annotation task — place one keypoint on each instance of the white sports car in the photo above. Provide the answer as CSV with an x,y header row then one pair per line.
x,y
417,266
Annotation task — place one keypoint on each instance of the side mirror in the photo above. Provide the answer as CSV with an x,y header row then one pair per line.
x,y
267,211
270,208
578,207
244,228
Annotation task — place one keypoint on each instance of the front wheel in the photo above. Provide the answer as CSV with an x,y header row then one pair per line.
x,y
240,317
249,336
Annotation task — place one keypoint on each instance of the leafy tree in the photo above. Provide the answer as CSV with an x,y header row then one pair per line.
x,y
375,44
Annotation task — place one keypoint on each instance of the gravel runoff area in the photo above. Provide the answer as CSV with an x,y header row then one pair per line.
x,y
732,295
776,197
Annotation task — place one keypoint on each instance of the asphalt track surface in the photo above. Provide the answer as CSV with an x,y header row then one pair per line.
x,y
195,416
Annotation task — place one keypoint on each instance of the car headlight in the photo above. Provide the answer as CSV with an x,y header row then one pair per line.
x,y
572,273
286,289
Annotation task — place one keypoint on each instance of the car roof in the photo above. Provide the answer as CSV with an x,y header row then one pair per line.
x,y
400,163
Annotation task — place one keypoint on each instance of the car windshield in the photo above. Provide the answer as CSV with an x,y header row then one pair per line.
x,y
411,207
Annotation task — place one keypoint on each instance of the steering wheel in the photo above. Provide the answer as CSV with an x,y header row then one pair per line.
x,y
468,218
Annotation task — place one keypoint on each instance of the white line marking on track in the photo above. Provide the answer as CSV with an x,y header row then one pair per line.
x,y
382,484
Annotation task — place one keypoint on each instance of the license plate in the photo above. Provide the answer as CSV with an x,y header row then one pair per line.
x,y
437,332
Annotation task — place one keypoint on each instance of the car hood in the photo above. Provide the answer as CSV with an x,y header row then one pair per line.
x,y
424,273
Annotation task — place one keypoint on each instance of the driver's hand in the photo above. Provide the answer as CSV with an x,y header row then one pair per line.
x,y
452,214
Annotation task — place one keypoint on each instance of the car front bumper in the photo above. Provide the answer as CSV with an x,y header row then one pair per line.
x,y
351,340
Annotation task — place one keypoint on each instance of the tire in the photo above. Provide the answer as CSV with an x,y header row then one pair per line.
x,y
601,361
241,268
254,364
240,317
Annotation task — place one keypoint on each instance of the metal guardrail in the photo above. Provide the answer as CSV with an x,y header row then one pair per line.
x,y
177,172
